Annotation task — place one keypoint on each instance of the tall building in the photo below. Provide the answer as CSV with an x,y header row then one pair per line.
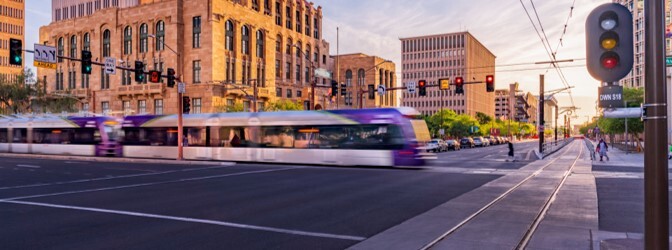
x,y
221,49
72,9
636,77
450,55
358,72
12,25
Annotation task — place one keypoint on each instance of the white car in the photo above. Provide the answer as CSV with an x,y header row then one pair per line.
x,y
432,146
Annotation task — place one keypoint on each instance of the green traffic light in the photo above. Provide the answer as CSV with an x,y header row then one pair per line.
x,y
17,59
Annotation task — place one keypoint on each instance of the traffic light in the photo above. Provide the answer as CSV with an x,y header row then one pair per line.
x,y
372,92
609,47
459,85
490,83
343,89
139,71
86,62
154,76
171,78
334,88
186,105
422,87
15,52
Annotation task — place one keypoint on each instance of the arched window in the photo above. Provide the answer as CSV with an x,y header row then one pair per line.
x,y
260,44
106,42
143,38
160,35
245,40
288,47
308,53
278,44
316,56
298,49
87,42
60,48
128,42
360,77
229,36
348,78
73,46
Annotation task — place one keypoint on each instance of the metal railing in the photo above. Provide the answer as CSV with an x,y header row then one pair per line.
x,y
551,147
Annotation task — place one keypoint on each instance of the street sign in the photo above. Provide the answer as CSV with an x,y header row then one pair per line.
x,y
110,65
623,113
411,87
320,72
473,129
444,83
442,131
668,61
611,97
44,56
381,89
181,88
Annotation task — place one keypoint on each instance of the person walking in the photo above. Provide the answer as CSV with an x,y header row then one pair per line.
x,y
602,149
511,155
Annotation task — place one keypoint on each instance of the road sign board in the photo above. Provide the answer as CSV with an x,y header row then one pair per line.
x,y
444,83
611,97
110,65
442,131
320,72
668,61
381,89
411,87
44,56
181,88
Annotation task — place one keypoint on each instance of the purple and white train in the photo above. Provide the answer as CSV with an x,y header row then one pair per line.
x,y
369,137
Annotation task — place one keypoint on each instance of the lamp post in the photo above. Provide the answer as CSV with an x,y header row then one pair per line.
x,y
361,90
180,133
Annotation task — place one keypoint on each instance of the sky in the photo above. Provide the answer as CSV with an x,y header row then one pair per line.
x,y
374,27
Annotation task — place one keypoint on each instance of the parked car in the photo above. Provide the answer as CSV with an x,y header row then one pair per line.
x,y
467,142
479,142
453,144
491,140
432,146
443,147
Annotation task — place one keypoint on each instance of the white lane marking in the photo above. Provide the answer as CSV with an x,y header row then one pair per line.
x,y
193,220
27,166
76,162
146,184
111,177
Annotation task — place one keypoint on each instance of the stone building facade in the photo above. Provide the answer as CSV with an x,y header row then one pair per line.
x,y
221,49
358,71
12,25
452,55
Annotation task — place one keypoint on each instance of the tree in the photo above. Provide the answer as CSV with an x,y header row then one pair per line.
x,y
284,105
483,118
18,97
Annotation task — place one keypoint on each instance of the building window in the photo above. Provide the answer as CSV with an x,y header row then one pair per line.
x,y
143,38
298,22
197,71
126,106
278,14
298,73
85,81
142,106
246,106
197,32
260,44
360,77
348,78
87,42
278,72
60,49
106,107
85,107
288,47
298,50
255,5
72,79
196,103
73,47
278,44
307,74
160,35
106,43
289,93
267,7
158,107
128,40
307,20
125,77
298,93
288,70
278,92
245,40
104,79
316,29
229,36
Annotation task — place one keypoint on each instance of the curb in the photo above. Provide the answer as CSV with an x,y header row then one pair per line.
x,y
116,160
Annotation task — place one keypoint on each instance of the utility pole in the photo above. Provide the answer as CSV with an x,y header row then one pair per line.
x,y
541,114
556,123
656,208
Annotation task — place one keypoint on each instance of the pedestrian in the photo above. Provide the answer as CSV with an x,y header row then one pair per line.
x,y
602,149
511,155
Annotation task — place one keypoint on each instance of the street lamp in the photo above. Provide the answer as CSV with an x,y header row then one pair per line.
x,y
180,132
361,89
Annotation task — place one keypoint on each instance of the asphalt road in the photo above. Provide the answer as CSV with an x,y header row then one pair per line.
x,y
74,204
492,157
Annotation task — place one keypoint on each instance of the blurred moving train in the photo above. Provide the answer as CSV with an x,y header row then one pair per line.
x,y
369,137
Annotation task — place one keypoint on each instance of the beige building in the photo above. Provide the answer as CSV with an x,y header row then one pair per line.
x,y
450,55
219,48
358,72
515,104
12,23
71,9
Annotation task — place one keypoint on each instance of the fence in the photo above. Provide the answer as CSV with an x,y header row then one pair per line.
x,y
553,146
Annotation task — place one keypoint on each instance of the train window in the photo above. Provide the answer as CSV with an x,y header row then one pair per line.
x,y
197,137
20,135
81,136
277,137
4,137
150,137
231,137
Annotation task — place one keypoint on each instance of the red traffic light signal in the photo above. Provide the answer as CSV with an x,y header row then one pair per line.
x,y
459,80
422,86
490,83
154,76
609,42
459,85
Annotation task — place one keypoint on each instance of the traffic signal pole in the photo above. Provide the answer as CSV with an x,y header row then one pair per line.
x,y
540,119
656,208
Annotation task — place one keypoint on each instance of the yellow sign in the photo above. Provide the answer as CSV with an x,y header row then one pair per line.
x,y
44,65
444,84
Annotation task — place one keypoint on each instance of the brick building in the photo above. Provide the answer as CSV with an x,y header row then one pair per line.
x,y
450,55
357,72
219,48
71,9
12,23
